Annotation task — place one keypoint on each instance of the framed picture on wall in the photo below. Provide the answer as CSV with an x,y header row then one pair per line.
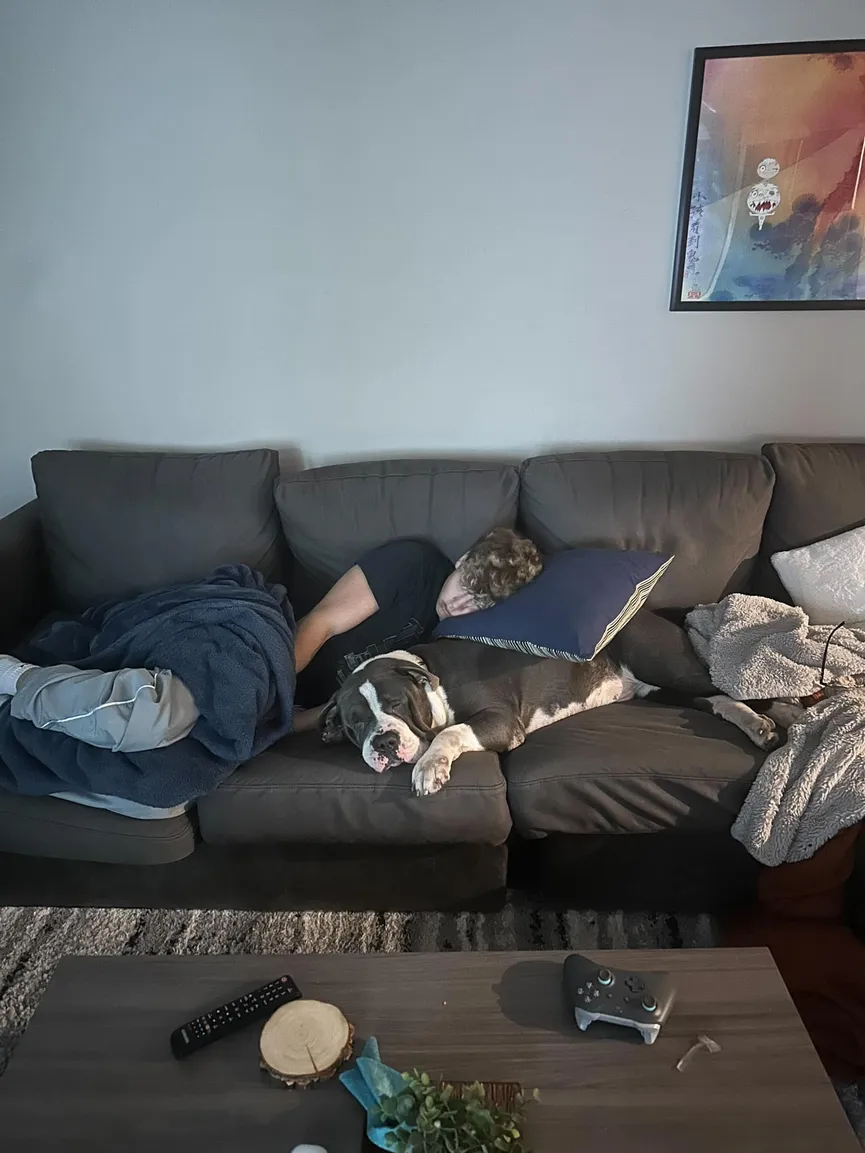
x,y
772,212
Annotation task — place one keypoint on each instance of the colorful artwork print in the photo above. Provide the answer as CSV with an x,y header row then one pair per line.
x,y
773,196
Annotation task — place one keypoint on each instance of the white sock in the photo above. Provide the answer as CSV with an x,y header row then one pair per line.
x,y
10,670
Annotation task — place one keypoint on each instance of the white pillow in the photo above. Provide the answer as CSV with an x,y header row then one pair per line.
x,y
827,579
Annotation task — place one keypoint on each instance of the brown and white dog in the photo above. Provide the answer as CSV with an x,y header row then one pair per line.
x,y
428,706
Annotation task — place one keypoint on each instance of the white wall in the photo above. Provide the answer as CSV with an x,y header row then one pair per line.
x,y
377,226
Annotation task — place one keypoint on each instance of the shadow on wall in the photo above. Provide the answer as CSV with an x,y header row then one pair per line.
x,y
290,456
504,457
751,446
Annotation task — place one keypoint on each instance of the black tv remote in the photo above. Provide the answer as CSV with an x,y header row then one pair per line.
x,y
209,1027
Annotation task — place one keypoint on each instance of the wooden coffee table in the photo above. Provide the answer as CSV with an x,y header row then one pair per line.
x,y
94,1071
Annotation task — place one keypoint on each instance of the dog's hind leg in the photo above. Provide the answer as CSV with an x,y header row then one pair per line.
x,y
786,712
759,728
657,652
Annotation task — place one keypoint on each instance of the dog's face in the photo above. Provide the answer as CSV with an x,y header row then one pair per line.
x,y
389,707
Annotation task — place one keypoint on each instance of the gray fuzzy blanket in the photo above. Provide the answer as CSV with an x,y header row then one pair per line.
x,y
813,786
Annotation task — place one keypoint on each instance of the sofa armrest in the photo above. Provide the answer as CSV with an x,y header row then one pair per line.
x,y
25,595
854,892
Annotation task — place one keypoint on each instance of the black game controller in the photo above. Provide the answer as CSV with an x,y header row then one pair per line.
x,y
597,993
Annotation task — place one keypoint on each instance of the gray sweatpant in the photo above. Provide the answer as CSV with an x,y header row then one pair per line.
x,y
127,711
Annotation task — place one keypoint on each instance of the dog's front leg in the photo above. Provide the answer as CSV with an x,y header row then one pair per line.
x,y
434,768
786,712
488,731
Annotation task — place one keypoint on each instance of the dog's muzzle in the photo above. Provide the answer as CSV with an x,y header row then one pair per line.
x,y
385,750
391,746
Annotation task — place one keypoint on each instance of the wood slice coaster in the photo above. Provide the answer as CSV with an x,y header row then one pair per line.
x,y
305,1041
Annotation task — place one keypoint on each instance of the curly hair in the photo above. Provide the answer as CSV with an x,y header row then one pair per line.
x,y
498,565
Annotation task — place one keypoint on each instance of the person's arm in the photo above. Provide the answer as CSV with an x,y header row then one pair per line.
x,y
348,603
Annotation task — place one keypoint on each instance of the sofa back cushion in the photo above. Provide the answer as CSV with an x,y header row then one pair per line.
x,y
707,508
117,523
819,492
331,516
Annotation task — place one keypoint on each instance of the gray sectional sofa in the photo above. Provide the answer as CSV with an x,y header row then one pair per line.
x,y
626,806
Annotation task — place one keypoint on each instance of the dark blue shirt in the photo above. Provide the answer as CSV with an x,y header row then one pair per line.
x,y
405,577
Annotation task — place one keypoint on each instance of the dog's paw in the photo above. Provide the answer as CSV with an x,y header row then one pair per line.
x,y
429,774
764,733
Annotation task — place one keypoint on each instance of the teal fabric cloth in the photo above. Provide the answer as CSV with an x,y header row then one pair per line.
x,y
368,1081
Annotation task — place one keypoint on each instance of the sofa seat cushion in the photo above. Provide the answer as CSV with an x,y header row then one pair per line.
x,y
48,827
120,523
303,791
630,768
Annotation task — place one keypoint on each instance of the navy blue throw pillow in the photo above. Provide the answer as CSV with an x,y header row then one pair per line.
x,y
575,607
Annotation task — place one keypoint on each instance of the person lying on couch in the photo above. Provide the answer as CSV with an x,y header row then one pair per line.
x,y
393,598
154,699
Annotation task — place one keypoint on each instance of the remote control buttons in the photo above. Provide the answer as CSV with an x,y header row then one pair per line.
x,y
605,977
649,1003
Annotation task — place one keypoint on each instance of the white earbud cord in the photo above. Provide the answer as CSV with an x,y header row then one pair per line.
x,y
106,705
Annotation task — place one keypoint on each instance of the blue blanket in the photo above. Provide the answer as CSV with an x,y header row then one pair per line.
x,y
230,639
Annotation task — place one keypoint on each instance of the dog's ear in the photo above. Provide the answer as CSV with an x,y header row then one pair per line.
x,y
330,724
422,676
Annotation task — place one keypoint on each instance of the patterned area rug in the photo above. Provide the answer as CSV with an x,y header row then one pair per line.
x,y
32,941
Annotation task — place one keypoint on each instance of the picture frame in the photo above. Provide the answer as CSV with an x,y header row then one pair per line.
x,y
772,205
